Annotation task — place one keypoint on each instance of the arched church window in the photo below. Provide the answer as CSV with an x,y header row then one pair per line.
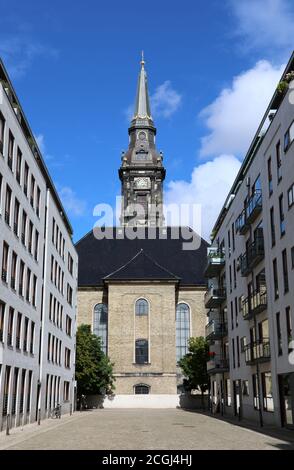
x,y
100,324
142,307
141,351
141,389
182,329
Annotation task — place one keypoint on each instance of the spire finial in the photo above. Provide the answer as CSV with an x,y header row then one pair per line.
x,y
142,59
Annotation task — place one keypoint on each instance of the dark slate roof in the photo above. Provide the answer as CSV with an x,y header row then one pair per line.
x,y
141,267
99,258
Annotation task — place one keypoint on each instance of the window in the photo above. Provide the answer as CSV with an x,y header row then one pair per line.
x,y
141,351
291,196
233,236
1,180
14,391
32,337
18,330
245,388
2,317
235,274
238,351
270,176
18,165
67,358
100,324
268,402
289,329
7,204
289,137
30,238
38,201
53,230
10,150
233,350
69,294
68,323
276,283
2,127
292,257
36,247
285,271
66,391
10,326
6,390
23,227
70,264
282,215
21,276
22,391
279,161
236,310
29,390
13,270
255,391
25,334
229,242
5,261
34,293
228,392
16,217
182,330
26,179
28,285
141,307
279,335
32,193
273,230
141,389
232,316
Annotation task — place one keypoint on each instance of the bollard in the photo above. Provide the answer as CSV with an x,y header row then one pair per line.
x,y
7,425
70,409
39,417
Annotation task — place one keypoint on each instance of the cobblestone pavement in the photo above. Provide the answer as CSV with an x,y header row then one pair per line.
x,y
140,429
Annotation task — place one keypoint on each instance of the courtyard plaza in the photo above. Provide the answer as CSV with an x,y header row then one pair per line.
x,y
146,429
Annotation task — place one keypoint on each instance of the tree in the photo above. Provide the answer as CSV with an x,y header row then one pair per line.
x,y
194,365
93,368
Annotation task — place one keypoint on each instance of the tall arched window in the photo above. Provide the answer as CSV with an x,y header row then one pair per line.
x,y
142,307
182,330
141,389
141,351
100,324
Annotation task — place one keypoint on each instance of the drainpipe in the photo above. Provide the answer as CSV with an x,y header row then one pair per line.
x,y
258,381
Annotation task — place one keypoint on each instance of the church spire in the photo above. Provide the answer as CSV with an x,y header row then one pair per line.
x,y
142,106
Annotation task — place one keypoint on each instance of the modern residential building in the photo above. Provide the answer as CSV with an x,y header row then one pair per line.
x,y
143,295
38,277
250,273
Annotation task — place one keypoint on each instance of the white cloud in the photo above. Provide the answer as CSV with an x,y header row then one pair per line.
x,y
209,186
234,116
165,101
19,52
40,139
72,204
265,24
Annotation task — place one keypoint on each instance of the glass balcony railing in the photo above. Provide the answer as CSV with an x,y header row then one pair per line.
x,y
216,329
258,351
254,254
254,304
215,262
250,212
217,364
214,297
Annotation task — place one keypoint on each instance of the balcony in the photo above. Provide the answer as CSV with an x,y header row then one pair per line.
x,y
254,304
215,262
217,365
254,254
254,206
250,212
259,351
214,297
216,329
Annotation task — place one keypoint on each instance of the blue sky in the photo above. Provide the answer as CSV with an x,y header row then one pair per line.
x,y
212,67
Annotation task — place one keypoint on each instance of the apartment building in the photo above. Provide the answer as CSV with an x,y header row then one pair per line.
x,y
38,277
250,271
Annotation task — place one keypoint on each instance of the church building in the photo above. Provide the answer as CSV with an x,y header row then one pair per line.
x,y
144,295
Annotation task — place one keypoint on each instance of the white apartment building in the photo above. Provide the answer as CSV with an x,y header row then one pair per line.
x,y
250,274
38,277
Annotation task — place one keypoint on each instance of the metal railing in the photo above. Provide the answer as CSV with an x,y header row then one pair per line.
x,y
257,351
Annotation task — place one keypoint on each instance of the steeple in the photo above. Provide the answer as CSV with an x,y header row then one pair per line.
x,y
142,106
141,172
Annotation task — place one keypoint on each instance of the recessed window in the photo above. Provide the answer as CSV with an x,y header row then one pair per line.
x,y
182,330
291,196
141,389
141,351
100,323
268,402
2,126
141,307
289,137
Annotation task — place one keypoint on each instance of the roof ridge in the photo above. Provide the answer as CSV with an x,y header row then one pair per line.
x,y
159,265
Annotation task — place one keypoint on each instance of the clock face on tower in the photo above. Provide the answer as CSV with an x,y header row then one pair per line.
x,y
142,183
